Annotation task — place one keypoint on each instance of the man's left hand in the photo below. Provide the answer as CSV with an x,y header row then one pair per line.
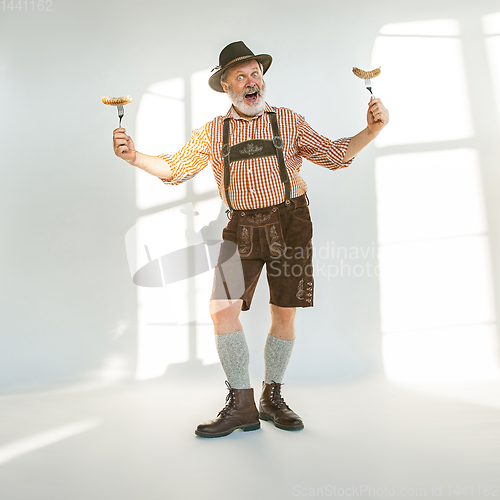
x,y
377,116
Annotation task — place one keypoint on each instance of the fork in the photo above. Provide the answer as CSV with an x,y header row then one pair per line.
x,y
368,85
121,113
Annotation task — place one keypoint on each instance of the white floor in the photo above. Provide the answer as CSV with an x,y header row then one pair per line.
x,y
363,439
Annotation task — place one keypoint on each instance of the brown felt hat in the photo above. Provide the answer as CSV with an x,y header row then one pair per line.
x,y
232,54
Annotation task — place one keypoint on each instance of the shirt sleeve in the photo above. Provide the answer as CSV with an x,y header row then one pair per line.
x,y
192,158
321,150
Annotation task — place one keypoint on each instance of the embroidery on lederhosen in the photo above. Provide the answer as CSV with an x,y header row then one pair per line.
x,y
245,240
274,240
300,290
258,218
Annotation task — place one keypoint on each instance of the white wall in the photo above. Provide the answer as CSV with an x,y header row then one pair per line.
x,y
68,305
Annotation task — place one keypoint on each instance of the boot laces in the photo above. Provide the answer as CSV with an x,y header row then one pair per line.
x,y
229,401
276,396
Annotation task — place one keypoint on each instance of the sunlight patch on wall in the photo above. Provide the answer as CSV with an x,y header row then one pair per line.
x,y
429,195
160,129
435,283
205,345
433,253
437,307
423,77
206,104
432,27
165,310
491,24
160,345
160,340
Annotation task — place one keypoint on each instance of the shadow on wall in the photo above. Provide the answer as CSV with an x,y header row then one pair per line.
x,y
434,210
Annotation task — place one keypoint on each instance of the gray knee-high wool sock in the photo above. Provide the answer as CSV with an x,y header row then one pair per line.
x,y
277,353
234,358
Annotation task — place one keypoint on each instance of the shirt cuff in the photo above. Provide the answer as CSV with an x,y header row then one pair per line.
x,y
175,172
343,145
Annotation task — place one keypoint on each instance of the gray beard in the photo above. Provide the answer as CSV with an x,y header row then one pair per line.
x,y
244,107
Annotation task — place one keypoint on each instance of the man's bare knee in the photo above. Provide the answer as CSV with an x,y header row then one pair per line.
x,y
283,315
225,310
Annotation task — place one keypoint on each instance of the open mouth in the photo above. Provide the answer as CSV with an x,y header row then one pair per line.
x,y
251,97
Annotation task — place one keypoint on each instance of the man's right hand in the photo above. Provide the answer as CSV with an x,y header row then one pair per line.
x,y
123,145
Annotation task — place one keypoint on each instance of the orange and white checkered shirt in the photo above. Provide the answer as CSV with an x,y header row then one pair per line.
x,y
256,182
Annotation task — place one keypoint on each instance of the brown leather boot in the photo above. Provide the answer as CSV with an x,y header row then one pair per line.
x,y
240,412
272,406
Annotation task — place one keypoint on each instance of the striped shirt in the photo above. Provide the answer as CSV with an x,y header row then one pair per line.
x,y
256,182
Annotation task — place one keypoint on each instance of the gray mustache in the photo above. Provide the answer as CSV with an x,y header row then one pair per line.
x,y
251,91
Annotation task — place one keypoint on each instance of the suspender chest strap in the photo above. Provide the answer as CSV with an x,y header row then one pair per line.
x,y
255,148
278,144
226,149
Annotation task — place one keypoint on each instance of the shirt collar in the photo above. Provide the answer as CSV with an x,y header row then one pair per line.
x,y
232,113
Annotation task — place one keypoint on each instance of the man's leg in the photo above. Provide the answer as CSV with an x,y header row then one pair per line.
x,y
277,352
240,411
225,315
282,322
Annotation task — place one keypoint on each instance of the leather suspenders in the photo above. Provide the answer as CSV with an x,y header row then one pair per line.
x,y
257,148
278,144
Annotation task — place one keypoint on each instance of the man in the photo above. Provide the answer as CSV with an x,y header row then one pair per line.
x,y
256,153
